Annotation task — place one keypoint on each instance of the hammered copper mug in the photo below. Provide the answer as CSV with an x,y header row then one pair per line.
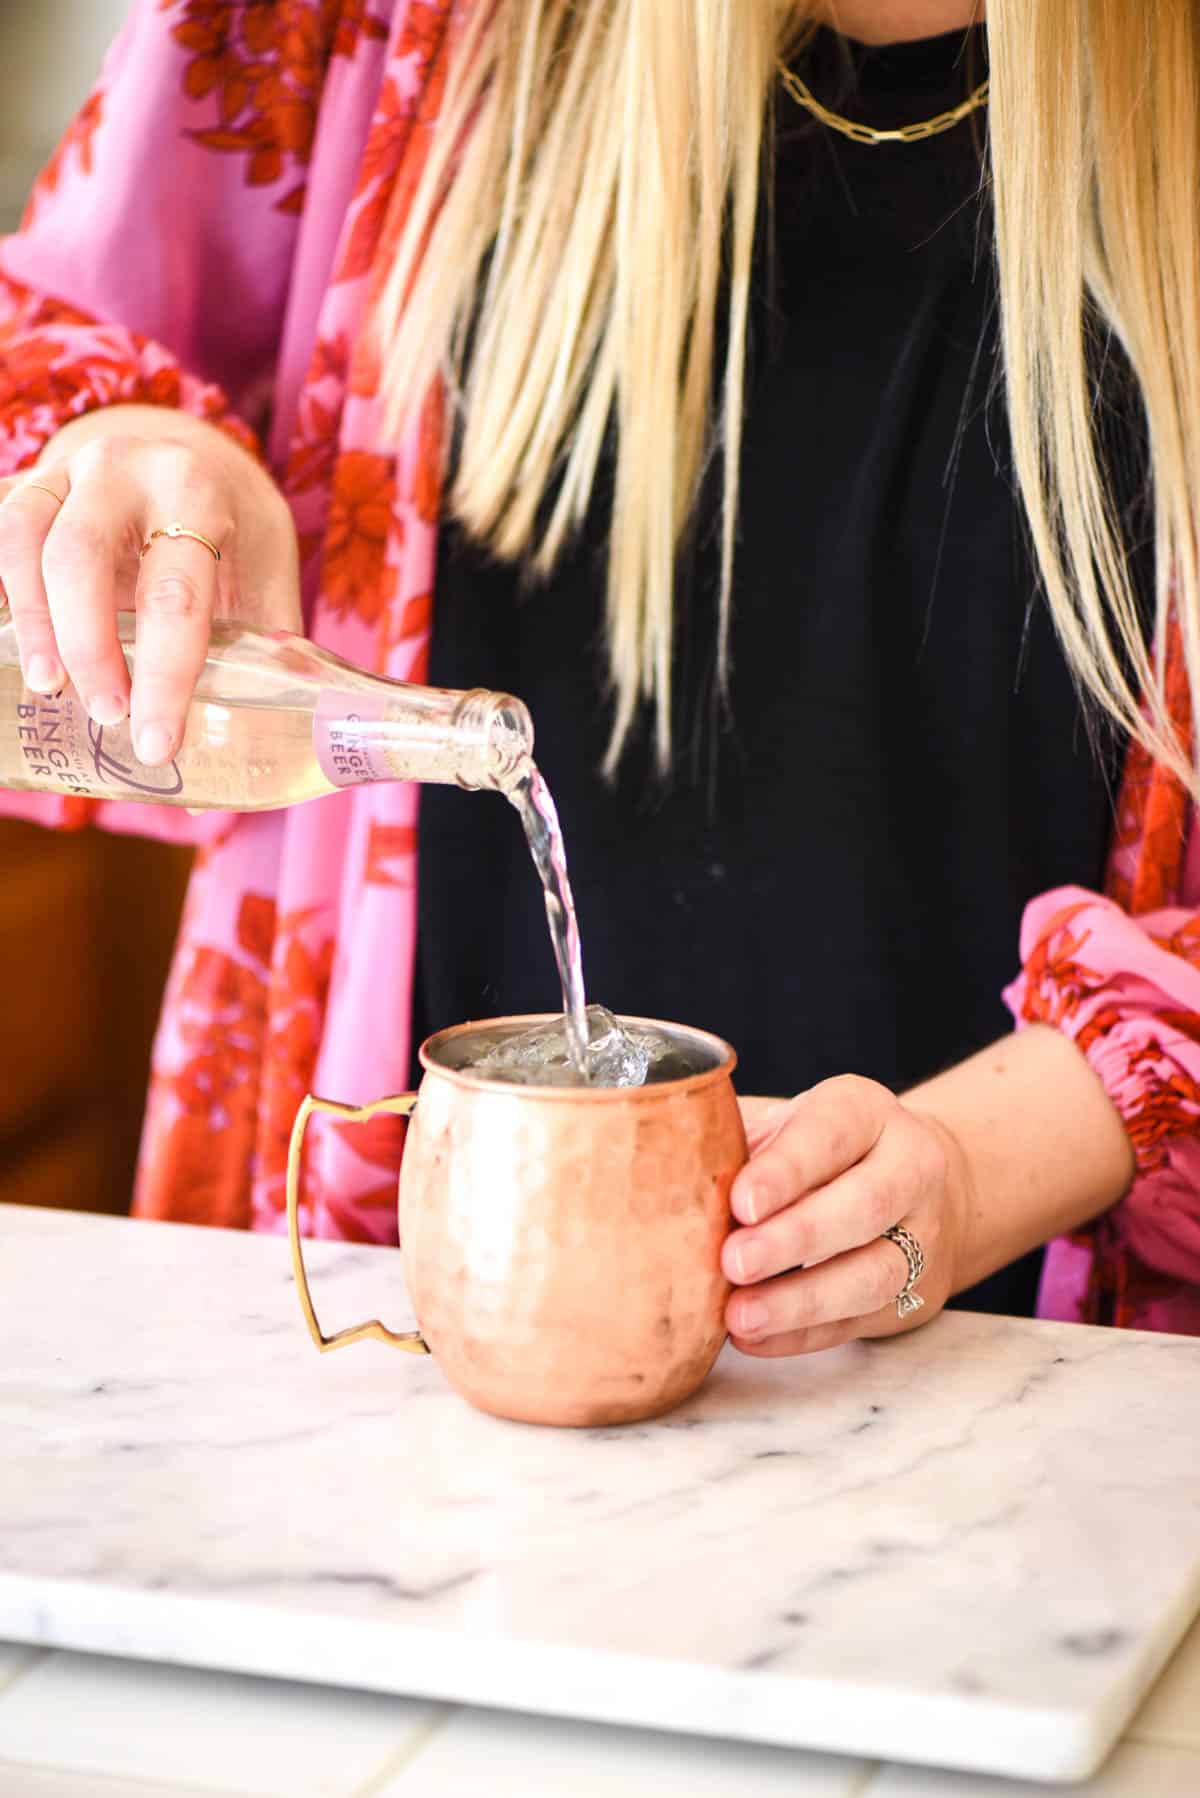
x,y
561,1245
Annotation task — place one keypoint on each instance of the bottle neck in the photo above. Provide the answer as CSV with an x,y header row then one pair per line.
x,y
477,740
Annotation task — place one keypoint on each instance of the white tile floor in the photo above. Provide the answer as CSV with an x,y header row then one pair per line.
x,y
43,1782
512,1756
14,1661
1136,1770
84,1726
219,1732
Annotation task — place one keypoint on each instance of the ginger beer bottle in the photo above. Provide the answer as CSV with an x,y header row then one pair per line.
x,y
274,720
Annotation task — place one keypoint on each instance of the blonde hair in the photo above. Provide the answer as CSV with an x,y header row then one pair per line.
x,y
1094,125
581,242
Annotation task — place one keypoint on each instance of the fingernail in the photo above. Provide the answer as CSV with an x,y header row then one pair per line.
x,y
754,1202
45,674
747,1259
154,744
752,1320
107,709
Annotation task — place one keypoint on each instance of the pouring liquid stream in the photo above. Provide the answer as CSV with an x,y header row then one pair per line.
x,y
539,820
587,1046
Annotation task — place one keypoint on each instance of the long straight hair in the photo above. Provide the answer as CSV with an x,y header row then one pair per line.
x,y
576,270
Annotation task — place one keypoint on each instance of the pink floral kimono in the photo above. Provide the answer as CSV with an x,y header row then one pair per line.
x,y
208,237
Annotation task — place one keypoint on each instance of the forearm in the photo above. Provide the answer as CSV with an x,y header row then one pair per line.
x,y
1042,1148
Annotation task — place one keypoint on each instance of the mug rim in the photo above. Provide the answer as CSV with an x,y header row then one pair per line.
x,y
590,1095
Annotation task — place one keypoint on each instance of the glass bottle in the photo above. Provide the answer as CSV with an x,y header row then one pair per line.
x,y
273,720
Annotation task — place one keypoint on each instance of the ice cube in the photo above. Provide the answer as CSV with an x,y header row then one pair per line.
x,y
665,1056
614,1055
541,1055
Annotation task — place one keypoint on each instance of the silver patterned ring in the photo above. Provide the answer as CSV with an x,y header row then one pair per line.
x,y
908,1301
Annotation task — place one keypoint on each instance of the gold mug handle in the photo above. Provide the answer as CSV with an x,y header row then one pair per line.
x,y
411,1341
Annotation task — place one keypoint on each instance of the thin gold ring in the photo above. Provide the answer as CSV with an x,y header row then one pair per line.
x,y
42,488
181,530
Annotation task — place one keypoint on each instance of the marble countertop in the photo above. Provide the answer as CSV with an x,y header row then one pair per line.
x,y
975,1546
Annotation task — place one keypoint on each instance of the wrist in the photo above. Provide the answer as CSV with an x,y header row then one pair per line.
x,y
1042,1148
960,1203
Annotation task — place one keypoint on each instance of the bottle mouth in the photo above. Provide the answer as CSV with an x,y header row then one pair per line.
x,y
509,741
504,730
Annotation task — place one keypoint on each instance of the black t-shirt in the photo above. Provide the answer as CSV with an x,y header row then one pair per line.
x,y
834,874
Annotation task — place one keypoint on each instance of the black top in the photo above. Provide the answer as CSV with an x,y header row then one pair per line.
x,y
833,878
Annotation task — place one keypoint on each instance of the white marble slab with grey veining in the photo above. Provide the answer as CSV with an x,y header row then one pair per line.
x,y
972,1547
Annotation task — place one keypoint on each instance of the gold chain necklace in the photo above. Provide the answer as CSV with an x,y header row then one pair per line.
x,y
867,134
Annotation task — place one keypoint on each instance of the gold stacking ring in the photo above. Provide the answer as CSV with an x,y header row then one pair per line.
x,y
42,488
181,530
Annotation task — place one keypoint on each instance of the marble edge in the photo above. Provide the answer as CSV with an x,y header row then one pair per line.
x,y
46,1218
760,1706
56,1217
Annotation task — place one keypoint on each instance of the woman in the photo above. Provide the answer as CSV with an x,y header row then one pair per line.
x,y
710,296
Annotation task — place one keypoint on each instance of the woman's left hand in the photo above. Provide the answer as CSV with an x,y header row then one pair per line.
x,y
828,1172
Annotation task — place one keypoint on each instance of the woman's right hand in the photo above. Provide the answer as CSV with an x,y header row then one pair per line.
x,y
70,561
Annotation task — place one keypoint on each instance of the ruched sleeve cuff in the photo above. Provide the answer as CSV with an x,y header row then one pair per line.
x,y
1127,991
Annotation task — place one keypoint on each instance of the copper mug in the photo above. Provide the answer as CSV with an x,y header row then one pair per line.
x,y
561,1245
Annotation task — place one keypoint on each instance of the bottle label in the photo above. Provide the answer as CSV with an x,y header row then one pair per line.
x,y
63,748
347,742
